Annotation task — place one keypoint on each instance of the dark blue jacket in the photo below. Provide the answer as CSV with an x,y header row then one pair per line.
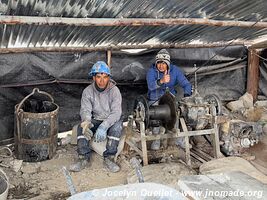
x,y
155,91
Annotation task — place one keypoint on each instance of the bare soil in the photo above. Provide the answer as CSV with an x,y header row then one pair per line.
x,y
46,180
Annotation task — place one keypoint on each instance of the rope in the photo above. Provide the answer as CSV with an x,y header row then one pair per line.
x,y
258,55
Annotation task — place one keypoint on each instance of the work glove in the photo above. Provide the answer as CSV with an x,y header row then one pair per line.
x,y
101,134
86,126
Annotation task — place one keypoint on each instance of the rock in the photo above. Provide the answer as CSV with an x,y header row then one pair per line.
x,y
25,176
253,114
264,129
261,103
225,127
229,164
164,173
235,105
31,168
34,191
247,100
263,117
17,164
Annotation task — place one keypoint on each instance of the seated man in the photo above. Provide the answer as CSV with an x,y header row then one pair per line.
x,y
100,112
163,76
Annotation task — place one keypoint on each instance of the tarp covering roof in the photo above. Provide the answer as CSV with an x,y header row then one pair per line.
x,y
23,34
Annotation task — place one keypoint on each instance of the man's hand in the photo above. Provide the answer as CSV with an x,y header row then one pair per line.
x,y
166,78
86,125
101,134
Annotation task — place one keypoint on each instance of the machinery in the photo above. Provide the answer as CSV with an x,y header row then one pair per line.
x,y
199,112
190,116
237,135
164,114
193,115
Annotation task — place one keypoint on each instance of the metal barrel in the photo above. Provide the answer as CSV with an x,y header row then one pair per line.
x,y
36,129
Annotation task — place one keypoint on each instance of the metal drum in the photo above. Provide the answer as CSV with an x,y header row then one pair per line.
x,y
36,128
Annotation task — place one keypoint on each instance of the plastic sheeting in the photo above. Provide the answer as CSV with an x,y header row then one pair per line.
x,y
64,75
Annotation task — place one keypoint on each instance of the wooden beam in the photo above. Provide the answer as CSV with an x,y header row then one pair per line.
x,y
115,47
253,73
186,140
109,58
259,45
12,20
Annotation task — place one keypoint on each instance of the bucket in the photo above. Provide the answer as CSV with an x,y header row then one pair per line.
x,y
4,185
36,128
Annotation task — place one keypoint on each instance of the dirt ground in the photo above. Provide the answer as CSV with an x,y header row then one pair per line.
x,y
46,180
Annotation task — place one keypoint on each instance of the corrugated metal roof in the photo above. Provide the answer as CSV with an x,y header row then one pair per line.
x,y
58,36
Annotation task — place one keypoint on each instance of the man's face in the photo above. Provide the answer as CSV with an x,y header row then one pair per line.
x,y
101,79
162,66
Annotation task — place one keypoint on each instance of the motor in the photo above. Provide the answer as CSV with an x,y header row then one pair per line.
x,y
237,135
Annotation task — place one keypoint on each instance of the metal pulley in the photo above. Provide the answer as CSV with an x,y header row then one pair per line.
x,y
165,112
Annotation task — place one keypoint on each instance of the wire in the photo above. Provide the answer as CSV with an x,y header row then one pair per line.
x,y
258,55
225,47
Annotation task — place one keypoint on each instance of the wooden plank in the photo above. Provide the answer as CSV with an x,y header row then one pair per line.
x,y
259,45
143,143
63,48
170,134
187,149
216,141
66,21
196,156
131,144
208,157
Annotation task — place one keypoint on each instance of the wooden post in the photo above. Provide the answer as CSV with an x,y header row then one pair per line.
x,y
186,138
253,73
143,143
109,58
216,140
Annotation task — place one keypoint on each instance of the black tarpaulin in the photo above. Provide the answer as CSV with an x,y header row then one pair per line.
x,y
64,75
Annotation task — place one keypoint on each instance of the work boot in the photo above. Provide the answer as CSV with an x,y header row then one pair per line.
x,y
79,165
155,145
111,165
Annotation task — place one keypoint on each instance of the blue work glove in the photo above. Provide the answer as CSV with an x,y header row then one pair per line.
x,y
101,134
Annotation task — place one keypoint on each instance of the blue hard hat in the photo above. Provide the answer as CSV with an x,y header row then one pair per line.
x,y
100,67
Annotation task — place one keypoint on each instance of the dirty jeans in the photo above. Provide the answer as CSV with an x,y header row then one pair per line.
x,y
113,137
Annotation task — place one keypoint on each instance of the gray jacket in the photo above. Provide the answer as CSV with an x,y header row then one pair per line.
x,y
104,106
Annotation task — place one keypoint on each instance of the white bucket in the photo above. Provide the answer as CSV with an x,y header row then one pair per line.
x,y
4,185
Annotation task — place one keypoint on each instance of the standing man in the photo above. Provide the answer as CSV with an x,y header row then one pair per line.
x,y
164,76
100,112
